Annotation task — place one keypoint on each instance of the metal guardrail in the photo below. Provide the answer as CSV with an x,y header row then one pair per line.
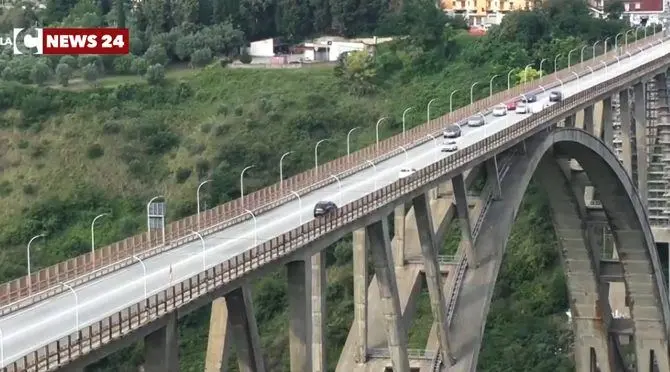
x,y
162,302
46,282
411,353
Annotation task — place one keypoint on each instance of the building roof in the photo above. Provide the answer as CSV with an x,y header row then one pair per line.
x,y
633,6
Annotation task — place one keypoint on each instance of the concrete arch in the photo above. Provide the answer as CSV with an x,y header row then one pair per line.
x,y
627,220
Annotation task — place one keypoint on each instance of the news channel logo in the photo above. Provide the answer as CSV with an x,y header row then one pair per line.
x,y
27,40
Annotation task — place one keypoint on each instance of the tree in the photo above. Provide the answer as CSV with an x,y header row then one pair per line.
x,y
357,71
527,74
201,57
123,64
614,9
139,65
63,74
155,74
40,73
70,61
90,73
156,54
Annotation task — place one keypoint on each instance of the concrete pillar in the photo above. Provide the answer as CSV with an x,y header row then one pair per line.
x,y
299,303
218,339
360,242
161,348
378,233
461,199
244,330
429,250
399,235
570,121
492,177
624,107
588,119
319,285
641,140
608,126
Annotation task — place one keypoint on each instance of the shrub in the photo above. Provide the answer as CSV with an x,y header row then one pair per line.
x,y
202,167
183,174
123,64
90,73
23,144
111,127
5,188
245,58
94,151
40,73
206,127
70,61
201,57
139,66
63,73
29,189
155,74
156,54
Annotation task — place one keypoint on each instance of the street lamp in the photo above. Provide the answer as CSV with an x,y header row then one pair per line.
x,y
299,205
616,42
541,62
30,279
281,170
374,168
581,53
626,38
509,81
428,109
144,269
377,129
451,100
197,199
569,55
406,155
404,113
204,251
594,49
348,138
316,155
255,226
472,91
242,182
339,187
556,62
93,236
76,304
525,72
491,85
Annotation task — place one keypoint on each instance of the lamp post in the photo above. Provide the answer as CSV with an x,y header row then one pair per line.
x,y
348,138
581,53
525,72
76,304
491,85
242,182
197,200
93,235
377,129
541,71
509,79
316,155
406,155
30,279
594,49
569,56
204,251
428,109
281,169
374,168
616,42
625,38
144,270
339,187
404,113
451,101
472,91
556,62
299,205
253,216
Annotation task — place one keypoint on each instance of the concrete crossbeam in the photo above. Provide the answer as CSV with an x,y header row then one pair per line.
x,y
300,322
378,233
611,271
161,348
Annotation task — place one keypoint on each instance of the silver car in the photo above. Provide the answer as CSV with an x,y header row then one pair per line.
x,y
452,131
521,108
449,146
476,121
500,110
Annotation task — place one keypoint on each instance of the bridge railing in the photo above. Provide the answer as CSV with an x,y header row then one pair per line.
x,y
46,282
60,351
411,353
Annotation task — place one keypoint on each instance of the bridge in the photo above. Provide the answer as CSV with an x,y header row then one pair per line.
x,y
69,315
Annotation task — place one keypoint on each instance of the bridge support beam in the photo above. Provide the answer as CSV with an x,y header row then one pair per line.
x,y
588,119
429,250
624,108
493,176
319,285
244,330
380,245
461,199
608,126
218,339
641,140
360,243
570,121
161,348
300,322
399,235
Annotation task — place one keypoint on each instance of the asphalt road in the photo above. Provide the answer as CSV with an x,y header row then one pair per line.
x,y
50,320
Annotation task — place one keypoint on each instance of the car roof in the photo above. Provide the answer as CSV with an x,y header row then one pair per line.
x,y
452,127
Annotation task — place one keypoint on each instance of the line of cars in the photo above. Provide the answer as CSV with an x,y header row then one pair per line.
x,y
453,131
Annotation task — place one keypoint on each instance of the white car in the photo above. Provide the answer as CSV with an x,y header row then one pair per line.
x,y
521,108
406,172
449,146
500,110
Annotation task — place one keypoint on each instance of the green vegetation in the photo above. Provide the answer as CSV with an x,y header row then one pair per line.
x,y
109,143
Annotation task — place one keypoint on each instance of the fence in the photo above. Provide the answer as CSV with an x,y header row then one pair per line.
x,y
159,303
24,291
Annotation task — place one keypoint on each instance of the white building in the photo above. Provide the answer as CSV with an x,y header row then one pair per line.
x,y
330,48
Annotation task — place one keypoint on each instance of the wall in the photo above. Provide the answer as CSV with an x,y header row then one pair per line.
x,y
262,48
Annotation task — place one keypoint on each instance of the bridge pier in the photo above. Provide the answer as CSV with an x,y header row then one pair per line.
x,y
360,243
244,330
161,348
218,339
429,249
570,121
398,244
588,119
299,306
380,245
624,114
493,176
640,115
319,285
606,119
462,209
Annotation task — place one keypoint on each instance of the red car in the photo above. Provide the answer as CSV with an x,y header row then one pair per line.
x,y
511,106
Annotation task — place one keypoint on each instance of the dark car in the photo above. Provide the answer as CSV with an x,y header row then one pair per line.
x,y
528,98
323,208
555,96
452,131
